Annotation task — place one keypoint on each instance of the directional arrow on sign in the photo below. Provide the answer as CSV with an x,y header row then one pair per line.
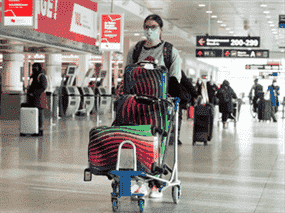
x,y
227,53
200,53
201,42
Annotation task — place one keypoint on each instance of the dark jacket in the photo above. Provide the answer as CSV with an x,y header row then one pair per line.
x,y
211,89
37,87
226,107
199,88
184,90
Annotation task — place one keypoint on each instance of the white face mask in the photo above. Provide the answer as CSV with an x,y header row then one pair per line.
x,y
199,82
274,84
151,35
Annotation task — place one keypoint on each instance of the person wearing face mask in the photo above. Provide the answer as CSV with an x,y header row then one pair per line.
x,y
155,50
274,93
38,84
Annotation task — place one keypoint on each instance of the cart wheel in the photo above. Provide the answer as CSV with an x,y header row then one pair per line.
x,y
194,142
116,205
205,143
175,194
141,204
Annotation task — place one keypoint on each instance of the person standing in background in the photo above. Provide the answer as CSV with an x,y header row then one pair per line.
x,y
199,85
258,89
212,90
225,96
274,93
37,86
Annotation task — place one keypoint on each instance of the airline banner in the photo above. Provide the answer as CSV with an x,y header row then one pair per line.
x,y
112,32
74,20
19,13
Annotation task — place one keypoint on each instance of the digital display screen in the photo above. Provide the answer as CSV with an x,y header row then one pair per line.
x,y
103,91
86,90
71,70
71,90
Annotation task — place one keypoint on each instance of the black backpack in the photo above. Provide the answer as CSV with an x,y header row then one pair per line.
x,y
225,95
184,94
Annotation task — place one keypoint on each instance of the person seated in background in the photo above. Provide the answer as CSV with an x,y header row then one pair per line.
x,y
225,96
258,89
212,90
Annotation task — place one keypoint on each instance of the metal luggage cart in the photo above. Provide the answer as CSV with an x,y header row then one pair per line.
x,y
122,178
233,118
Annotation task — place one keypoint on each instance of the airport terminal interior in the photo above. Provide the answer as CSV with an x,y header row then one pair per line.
x,y
241,169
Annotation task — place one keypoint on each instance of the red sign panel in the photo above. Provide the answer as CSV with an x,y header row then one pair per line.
x,y
58,17
18,13
112,29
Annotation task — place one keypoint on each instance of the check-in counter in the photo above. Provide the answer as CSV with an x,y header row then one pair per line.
x,y
69,100
86,100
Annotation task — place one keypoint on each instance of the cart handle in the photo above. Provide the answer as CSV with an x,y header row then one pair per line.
x,y
134,152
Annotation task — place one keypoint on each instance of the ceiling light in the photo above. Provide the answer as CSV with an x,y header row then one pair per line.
x,y
271,25
273,29
214,16
270,22
282,51
266,12
209,11
223,25
136,34
274,32
231,32
202,5
219,21
263,5
228,28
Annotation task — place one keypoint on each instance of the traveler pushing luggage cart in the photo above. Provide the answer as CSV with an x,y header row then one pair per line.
x,y
234,115
144,120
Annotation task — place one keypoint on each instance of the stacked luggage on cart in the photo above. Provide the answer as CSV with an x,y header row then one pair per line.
x,y
143,122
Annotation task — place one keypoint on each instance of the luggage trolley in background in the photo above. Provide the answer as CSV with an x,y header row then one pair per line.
x,y
149,141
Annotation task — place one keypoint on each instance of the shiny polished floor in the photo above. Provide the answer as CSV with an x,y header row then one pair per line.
x,y
241,170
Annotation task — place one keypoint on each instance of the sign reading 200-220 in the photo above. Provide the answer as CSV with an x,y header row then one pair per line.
x,y
227,41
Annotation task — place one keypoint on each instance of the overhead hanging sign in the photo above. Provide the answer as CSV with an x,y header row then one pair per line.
x,y
231,53
84,21
112,32
19,13
281,21
235,53
262,67
227,41
209,53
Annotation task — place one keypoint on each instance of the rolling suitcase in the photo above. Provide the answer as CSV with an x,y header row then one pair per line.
x,y
203,123
203,120
264,110
105,141
29,121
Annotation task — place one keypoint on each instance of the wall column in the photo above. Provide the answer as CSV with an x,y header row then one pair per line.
x,y
84,65
53,69
11,75
107,65
12,84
